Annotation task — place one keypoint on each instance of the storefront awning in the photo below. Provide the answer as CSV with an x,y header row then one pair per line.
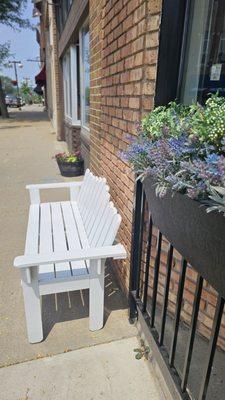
x,y
40,78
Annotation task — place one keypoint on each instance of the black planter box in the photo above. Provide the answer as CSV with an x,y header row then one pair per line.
x,y
70,168
198,236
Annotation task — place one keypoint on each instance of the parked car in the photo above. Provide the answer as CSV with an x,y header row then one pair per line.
x,y
14,101
8,100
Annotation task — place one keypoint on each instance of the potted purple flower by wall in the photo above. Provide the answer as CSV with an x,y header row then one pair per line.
x,y
179,155
70,164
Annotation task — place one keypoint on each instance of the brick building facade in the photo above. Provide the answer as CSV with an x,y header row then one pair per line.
x,y
123,73
124,55
47,37
124,38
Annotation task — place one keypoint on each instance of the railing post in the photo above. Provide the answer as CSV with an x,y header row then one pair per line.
x,y
135,250
211,348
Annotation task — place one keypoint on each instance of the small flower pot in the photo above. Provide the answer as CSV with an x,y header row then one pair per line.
x,y
197,235
71,168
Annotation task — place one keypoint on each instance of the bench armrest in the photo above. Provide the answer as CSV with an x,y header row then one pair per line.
x,y
116,251
35,189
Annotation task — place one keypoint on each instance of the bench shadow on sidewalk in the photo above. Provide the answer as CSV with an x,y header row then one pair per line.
x,y
75,305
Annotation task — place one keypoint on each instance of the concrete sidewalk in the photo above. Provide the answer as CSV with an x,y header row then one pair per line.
x,y
27,146
109,371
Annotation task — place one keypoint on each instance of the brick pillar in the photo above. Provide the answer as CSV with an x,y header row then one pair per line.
x,y
56,76
95,18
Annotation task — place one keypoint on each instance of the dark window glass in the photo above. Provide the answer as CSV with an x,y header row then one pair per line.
x,y
204,70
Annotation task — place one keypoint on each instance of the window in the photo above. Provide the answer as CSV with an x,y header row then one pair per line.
x,y
67,84
62,11
85,75
76,81
204,63
70,85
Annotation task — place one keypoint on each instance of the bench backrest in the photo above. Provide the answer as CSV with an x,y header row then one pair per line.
x,y
100,217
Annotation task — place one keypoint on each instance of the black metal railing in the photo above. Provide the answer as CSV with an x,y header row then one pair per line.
x,y
143,281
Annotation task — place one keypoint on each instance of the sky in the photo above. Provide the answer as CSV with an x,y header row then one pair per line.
x,y
23,47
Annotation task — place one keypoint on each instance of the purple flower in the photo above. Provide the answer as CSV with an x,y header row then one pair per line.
x,y
193,193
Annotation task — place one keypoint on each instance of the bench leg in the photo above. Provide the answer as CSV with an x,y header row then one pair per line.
x,y
32,303
96,296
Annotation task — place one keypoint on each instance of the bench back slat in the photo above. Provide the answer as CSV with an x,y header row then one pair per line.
x,y
97,196
97,214
102,229
100,218
84,187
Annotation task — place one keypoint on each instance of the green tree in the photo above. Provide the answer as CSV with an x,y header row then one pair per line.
x,y
25,89
7,85
4,54
11,14
36,98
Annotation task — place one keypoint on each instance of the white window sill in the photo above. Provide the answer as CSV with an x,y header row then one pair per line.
x,y
72,123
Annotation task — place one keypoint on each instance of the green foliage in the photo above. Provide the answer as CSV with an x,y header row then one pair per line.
x,y
7,85
25,89
217,199
11,14
142,351
206,123
68,157
36,98
4,52
163,119
183,149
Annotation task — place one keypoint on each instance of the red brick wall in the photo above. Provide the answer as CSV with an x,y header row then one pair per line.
x,y
124,45
124,51
72,137
96,34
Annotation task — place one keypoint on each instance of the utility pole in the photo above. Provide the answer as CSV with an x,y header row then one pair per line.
x,y
26,80
14,63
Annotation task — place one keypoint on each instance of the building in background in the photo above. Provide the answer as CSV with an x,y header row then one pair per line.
x,y
49,77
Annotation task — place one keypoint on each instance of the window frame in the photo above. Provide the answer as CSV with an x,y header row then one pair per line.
x,y
70,91
74,85
65,84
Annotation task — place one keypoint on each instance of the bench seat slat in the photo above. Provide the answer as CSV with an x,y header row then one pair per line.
x,y
62,270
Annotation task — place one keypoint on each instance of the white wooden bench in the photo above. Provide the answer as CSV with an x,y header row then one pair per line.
x,y
67,244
